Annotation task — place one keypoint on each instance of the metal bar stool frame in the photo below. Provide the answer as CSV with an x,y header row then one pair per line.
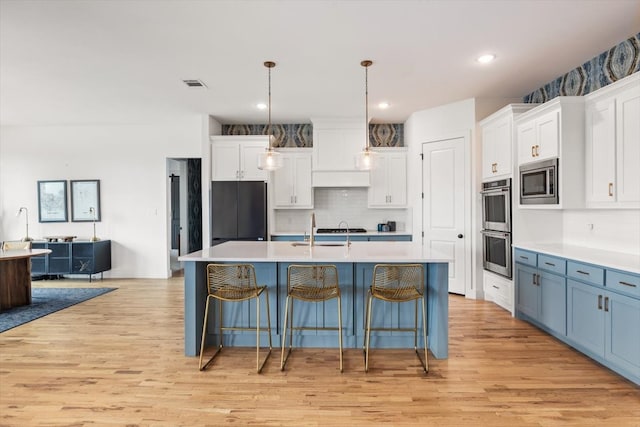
x,y
310,283
391,285
234,283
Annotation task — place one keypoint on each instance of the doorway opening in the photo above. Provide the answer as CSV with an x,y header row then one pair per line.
x,y
184,210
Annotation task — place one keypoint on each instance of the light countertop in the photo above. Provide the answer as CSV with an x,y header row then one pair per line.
x,y
368,233
22,253
611,259
373,252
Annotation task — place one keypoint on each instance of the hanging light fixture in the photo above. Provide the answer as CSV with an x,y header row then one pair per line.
x,y
270,160
366,159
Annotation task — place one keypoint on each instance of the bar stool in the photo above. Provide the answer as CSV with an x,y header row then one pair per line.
x,y
311,283
398,283
234,283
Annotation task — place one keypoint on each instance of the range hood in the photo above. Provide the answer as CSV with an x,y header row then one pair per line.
x,y
336,143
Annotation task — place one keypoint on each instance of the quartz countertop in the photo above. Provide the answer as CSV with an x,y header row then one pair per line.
x,y
368,233
373,252
605,258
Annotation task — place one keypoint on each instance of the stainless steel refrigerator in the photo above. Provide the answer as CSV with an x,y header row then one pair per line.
x,y
238,211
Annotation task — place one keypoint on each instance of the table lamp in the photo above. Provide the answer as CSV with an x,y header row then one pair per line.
x,y
26,237
93,211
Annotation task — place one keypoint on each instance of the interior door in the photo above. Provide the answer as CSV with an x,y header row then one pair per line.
x,y
443,205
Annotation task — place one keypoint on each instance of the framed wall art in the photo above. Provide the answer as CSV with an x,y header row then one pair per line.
x,y
85,200
52,201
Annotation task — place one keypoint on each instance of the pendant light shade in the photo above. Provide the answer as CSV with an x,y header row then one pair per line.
x,y
365,160
270,160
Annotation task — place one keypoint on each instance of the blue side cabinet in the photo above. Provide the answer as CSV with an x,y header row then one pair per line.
x,y
541,290
598,314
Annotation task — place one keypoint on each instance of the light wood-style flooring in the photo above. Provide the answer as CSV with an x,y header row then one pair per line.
x,y
118,360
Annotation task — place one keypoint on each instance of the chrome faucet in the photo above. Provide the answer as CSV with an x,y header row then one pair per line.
x,y
311,227
347,228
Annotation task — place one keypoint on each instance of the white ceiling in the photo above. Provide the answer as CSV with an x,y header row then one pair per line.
x,y
100,61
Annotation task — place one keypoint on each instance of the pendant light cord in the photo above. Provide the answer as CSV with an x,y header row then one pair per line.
x,y
366,64
269,65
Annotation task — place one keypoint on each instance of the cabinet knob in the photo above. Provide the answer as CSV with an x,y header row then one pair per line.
x,y
460,236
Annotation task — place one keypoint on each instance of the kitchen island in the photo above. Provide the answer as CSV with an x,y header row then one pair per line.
x,y
355,264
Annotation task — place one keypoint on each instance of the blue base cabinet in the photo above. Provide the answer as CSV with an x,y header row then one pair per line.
x,y
605,325
541,291
602,307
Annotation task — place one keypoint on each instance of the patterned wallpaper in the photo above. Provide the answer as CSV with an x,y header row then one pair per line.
x,y
301,134
620,61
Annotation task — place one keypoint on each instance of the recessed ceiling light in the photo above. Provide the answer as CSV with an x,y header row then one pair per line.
x,y
383,105
261,106
485,59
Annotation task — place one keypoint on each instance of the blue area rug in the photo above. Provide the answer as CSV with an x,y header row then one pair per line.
x,y
46,301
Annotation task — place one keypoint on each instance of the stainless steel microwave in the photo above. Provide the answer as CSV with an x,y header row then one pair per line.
x,y
539,183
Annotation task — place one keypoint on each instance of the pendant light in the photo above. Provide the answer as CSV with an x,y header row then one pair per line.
x,y
366,158
270,160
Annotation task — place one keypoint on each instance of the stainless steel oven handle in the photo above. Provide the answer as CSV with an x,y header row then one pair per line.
x,y
499,190
495,233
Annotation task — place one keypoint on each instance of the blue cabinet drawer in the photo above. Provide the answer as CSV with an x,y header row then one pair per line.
x,y
526,257
551,263
623,282
585,272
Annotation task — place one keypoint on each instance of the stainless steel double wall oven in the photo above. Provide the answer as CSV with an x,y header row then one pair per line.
x,y
496,224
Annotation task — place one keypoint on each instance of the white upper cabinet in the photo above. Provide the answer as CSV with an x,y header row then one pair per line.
x,y
613,145
556,129
539,138
235,158
292,183
497,141
389,179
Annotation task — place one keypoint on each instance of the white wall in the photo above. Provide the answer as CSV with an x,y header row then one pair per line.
x,y
443,122
615,230
131,163
332,205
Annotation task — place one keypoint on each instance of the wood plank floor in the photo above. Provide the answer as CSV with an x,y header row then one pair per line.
x,y
118,360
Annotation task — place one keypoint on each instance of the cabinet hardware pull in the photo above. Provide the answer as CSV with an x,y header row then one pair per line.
x,y
582,272
611,189
551,264
537,153
495,287
538,279
606,303
599,302
534,279
533,152
628,284
524,257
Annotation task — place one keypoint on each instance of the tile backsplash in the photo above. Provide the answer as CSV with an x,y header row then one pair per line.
x,y
332,205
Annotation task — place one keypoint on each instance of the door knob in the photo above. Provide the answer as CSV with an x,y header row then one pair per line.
x,y
460,236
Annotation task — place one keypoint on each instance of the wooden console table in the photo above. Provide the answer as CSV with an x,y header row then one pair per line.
x,y
15,276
